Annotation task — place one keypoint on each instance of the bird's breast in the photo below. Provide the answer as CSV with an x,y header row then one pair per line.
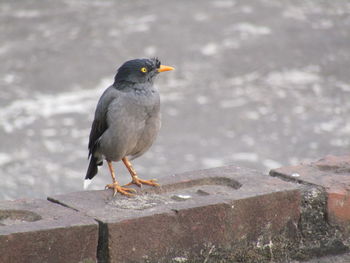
x,y
146,101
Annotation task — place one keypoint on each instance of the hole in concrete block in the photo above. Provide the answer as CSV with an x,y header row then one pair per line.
x,y
202,193
181,191
207,181
13,217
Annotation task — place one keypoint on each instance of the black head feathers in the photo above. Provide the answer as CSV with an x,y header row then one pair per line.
x,y
138,71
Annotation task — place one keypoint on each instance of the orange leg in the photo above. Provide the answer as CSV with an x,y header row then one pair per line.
x,y
115,185
135,179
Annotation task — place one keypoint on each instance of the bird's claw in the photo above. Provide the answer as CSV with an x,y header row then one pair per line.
x,y
123,190
139,182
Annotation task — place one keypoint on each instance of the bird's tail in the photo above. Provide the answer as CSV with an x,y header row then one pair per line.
x,y
92,170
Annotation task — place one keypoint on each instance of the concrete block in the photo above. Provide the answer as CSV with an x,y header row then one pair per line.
x,y
333,174
38,231
193,216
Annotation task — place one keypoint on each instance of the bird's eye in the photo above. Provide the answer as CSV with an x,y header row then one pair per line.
x,y
144,69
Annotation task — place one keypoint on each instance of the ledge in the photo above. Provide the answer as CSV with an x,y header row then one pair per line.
x,y
189,213
332,173
227,214
40,231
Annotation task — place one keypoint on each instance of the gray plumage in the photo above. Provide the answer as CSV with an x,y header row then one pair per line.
x,y
133,120
127,116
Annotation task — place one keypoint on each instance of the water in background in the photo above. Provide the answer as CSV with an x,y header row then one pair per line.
x,y
258,84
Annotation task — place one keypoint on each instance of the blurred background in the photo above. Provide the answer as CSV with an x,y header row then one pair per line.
x,y
259,84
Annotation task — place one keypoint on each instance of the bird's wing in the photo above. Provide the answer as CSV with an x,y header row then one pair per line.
x,y
97,129
100,125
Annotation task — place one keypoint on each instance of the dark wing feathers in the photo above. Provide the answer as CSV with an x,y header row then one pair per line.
x,y
100,125
98,128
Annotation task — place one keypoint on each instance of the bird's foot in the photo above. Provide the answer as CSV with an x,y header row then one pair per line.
x,y
139,182
117,188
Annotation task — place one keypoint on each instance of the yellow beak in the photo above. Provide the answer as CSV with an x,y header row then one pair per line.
x,y
163,68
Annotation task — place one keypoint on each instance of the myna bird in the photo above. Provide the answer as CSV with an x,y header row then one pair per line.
x,y
127,121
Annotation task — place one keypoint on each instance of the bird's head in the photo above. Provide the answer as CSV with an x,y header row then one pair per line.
x,y
140,70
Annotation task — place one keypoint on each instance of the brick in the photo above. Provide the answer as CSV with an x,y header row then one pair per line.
x,y
41,231
226,208
333,174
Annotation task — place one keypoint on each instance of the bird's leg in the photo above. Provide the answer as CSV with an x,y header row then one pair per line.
x,y
115,185
135,179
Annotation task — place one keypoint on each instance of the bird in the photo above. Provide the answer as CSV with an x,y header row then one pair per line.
x,y
126,122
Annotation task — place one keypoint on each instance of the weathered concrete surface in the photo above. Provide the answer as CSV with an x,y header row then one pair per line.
x,y
228,213
333,174
343,258
316,236
39,231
